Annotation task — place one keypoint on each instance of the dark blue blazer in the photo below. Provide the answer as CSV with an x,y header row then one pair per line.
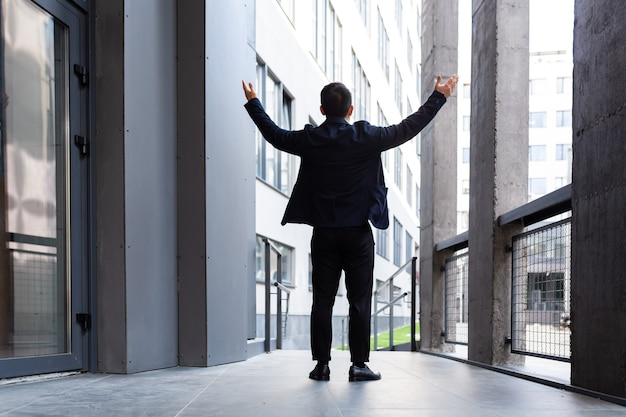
x,y
340,183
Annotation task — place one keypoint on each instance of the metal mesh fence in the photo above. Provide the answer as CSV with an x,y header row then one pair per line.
x,y
39,299
541,292
456,302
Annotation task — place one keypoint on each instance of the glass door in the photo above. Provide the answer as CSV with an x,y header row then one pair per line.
x,y
41,214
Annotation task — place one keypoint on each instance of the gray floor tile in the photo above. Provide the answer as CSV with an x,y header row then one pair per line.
x,y
276,385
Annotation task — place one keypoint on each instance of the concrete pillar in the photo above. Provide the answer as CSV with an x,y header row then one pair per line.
x,y
498,168
438,166
599,198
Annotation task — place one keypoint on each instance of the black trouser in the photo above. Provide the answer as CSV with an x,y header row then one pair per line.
x,y
350,249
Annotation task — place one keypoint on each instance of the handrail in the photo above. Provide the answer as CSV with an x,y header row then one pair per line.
x,y
386,306
269,248
390,303
549,205
281,287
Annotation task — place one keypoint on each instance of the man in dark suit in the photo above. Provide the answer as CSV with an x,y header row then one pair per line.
x,y
339,190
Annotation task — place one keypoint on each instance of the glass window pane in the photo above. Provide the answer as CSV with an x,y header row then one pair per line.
x,y
34,191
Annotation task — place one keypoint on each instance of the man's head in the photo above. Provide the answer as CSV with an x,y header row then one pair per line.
x,y
336,100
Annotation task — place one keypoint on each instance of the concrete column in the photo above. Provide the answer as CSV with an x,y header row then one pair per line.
x,y
599,198
438,166
498,168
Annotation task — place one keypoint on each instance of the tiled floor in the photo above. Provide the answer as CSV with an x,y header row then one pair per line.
x,y
276,385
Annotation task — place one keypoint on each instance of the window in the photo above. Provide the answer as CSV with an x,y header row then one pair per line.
x,y
464,219
537,119
286,262
466,155
273,166
408,250
363,8
465,186
561,151
546,291
538,86
417,201
361,90
398,89
536,186
559,182
466,123
563,118
537,153
563,84
383,46
288,7
409,186
409,50
398,167
381,243
397,242
399,13
328,36
382,120
385,159
467,91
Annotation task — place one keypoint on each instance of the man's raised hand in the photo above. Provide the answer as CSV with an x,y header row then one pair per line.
x,y
248,90
448,87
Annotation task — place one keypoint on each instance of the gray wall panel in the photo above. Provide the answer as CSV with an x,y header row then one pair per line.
x,y
150,167
230,179
191,185
110,220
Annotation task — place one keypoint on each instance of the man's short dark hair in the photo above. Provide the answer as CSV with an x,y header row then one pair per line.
x,y
336,99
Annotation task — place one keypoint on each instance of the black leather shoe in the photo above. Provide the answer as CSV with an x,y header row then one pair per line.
x,y
362,374
320,373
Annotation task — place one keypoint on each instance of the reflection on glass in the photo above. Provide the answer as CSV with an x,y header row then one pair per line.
x,y
33,175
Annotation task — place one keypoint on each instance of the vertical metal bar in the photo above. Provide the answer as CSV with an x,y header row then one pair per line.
x,y
391,313
413,303
279,304
267,295
375,318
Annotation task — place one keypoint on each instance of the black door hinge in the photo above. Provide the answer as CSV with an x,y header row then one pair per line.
x,y
81,73
84,320
83,143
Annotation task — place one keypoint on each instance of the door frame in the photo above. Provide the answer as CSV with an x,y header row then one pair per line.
x,y
75,15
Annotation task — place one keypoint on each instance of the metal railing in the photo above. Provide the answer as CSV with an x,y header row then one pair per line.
x,y
540,296
387,288
280,288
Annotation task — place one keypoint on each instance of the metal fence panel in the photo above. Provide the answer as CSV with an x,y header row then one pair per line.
x,y
541,292
456,302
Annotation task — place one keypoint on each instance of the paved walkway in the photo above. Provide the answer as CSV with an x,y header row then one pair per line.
x,y
276,385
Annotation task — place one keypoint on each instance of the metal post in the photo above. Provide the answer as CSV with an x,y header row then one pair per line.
x,y
391,314
413,303
268,311
279,308
375,318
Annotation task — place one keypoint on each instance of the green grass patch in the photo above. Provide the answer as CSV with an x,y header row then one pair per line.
x,y
401,335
